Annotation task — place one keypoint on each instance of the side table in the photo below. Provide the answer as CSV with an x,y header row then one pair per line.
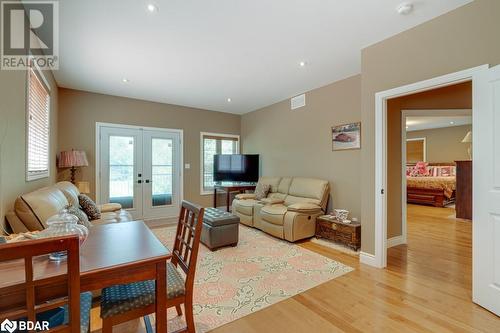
x,y
346,233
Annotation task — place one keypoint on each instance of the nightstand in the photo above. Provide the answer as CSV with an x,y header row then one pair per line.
x,y
346,233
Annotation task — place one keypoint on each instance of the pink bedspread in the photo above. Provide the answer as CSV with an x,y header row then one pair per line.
x,y
448,184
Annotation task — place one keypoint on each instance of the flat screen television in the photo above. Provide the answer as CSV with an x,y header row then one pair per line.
x,y
236,168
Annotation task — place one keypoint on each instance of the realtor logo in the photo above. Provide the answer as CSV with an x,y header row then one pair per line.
x,y
29,33
8,326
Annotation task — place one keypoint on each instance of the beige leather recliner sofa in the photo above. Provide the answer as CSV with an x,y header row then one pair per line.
x,y
290,209
32,210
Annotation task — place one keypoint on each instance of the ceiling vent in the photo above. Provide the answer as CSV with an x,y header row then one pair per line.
x,y
298,101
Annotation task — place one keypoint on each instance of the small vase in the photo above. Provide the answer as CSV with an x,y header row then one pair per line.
x,y
64,224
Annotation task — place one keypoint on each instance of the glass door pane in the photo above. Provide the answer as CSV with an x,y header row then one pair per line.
x,y
121,170
162,172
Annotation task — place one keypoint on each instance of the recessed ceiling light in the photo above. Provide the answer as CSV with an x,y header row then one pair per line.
x,y
407,127
452,123
229,100
152,8
302,63
405,8
125,80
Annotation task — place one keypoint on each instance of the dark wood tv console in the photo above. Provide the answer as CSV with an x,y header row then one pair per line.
x,y
231,187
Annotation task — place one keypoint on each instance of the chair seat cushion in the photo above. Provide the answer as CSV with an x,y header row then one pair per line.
x,y
273,214
122,298
245,206
85,305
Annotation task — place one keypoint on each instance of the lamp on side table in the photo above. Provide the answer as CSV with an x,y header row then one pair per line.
x,y
73,159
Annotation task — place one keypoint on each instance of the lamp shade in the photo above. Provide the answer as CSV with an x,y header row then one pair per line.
x,y
73,158
83,187
467,138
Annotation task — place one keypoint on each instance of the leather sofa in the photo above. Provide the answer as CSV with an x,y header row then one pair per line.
x,y
32,210
290,209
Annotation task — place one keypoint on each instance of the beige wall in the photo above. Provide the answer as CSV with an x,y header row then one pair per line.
x,y
458,96
299,142
81,110
444,144
461,39
13,138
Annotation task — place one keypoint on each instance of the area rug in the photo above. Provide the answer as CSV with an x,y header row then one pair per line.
x,y
262,270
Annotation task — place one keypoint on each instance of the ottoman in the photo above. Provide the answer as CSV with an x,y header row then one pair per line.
x,y
219,229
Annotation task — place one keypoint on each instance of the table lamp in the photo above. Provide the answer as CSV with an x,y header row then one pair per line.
x,y
73,159
83,187
468,139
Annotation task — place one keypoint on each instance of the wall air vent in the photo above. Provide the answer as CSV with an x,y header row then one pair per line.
x,y
298,101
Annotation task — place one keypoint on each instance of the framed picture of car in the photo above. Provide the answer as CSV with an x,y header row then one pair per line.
x,y
345,137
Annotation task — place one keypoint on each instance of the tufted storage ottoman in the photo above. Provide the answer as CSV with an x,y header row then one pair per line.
x,y
219,229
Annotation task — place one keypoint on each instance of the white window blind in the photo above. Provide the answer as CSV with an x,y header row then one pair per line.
x,y
212,144
37,127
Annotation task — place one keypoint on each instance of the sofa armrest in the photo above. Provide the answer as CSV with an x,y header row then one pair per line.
x,y
272,201
305,208
15,223
109,207
245,196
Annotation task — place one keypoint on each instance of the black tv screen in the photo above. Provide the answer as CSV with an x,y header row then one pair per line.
x,y
236,168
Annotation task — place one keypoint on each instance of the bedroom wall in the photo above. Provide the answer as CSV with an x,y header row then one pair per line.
x,y
461,39
13,139
81,110
444,144
299,142
457,96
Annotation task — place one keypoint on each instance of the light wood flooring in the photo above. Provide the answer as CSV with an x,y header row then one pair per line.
x,y
425,288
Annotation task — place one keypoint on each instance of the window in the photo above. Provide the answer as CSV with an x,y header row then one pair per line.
x,y
212,144
37,128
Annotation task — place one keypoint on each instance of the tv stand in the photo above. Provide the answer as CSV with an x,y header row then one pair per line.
x,y
229,187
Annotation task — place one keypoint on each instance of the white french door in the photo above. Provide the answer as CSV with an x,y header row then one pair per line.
x,y
486,190
140,169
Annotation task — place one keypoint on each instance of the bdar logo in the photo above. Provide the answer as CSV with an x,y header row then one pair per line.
x,y
8,326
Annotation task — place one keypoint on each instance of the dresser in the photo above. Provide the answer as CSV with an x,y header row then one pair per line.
x,y
463,204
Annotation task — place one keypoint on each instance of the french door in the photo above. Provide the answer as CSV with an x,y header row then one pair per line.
x,y
140,169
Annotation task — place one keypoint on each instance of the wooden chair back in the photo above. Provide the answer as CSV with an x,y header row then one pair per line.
x,y
21,300
187,240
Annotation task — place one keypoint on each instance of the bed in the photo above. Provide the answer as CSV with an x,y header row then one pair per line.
x,y
437,188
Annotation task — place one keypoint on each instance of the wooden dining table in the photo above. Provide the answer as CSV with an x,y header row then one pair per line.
x,y
116,253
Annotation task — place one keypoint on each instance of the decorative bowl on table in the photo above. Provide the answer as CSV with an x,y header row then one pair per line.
x,y
341,214
64,224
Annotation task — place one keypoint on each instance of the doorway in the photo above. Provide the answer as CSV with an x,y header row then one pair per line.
x,y
140,169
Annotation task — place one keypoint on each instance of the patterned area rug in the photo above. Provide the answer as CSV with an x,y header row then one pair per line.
x,y
235,281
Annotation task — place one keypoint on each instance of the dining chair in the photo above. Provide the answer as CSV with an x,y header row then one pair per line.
x,y
25,301
121,303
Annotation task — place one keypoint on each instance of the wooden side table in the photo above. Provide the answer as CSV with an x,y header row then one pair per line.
x,y
334,230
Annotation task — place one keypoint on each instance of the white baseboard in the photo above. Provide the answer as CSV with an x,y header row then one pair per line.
x,y
367,259
395,241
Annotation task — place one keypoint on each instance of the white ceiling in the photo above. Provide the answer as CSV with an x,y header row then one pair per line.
x,y
199,53
429,122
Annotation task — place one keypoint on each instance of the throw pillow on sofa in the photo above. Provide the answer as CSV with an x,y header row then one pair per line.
x,y
82,217
261,191
89,207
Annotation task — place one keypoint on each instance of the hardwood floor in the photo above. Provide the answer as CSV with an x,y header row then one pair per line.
x,y
425,288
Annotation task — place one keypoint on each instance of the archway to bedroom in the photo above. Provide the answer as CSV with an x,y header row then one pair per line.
x,y
429,185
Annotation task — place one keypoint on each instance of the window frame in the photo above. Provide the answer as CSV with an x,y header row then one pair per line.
x,y
203,190
39,74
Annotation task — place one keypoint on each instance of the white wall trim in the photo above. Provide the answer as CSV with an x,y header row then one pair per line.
x,y
202,134
395,241
381,98
367,258
99,125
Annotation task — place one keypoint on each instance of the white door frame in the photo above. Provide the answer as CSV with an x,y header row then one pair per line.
x,y
379,259
98,126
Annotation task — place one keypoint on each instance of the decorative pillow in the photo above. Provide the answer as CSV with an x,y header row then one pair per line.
x,y
422,169
82,217
261,190
89,207
446,171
